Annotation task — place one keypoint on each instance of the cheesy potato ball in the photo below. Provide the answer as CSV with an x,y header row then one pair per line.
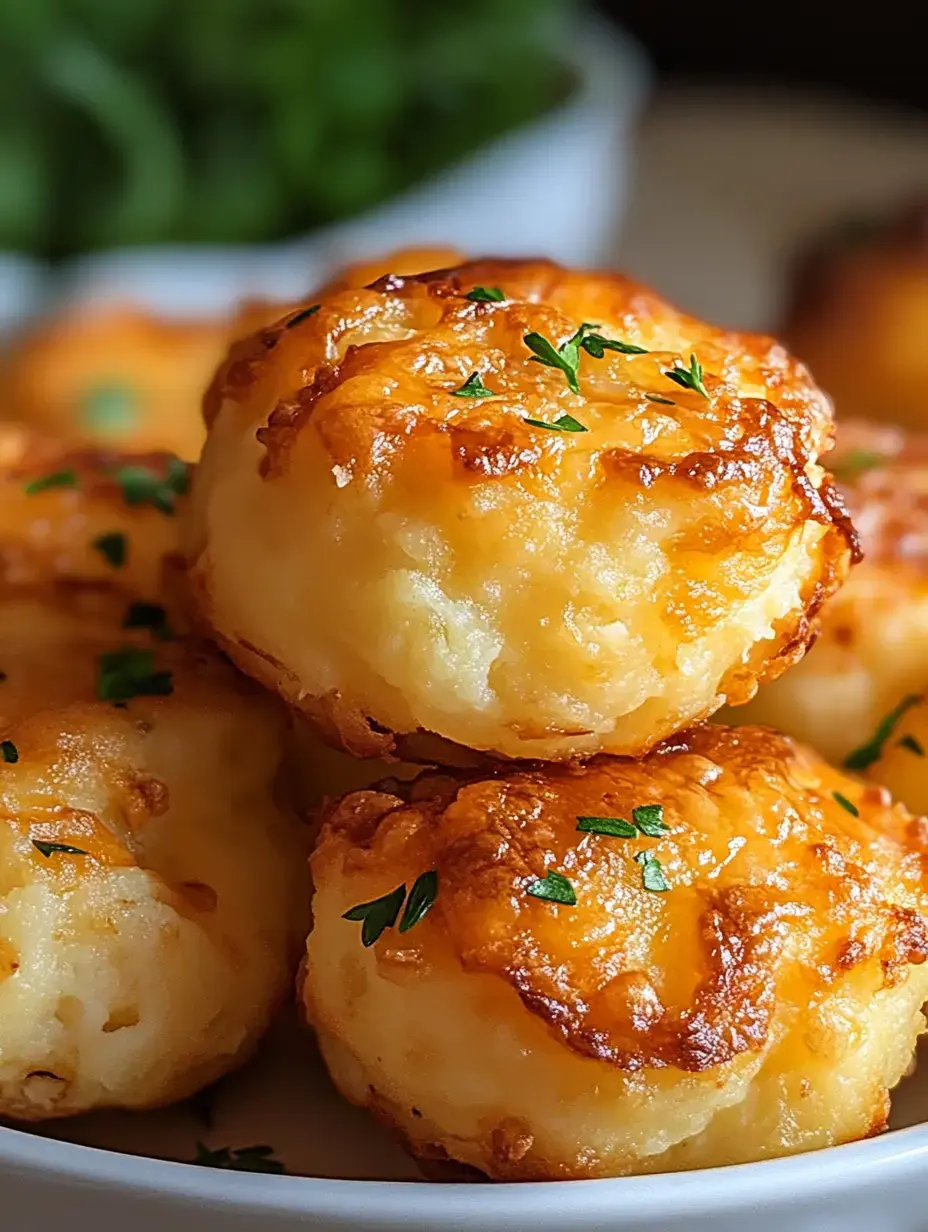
x,y
534,512
710,956
76,517
859,317
151,886
873,645
117,376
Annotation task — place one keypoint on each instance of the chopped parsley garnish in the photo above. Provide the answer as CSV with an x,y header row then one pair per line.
x,y
914,746
421,898
553,887
10,752
856,463
128,673
150,616
652,873
112,547
49,849
485,295
57,479
566,357
377,915
564,423
302,316
244,1159
596,345
846,804
689,378
109,408
864,756
473,387
142,485
662,401
647,819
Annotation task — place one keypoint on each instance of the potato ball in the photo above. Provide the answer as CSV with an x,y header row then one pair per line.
x,y
76,517
859,317
710,956
151,889
534,512
117,376
873,645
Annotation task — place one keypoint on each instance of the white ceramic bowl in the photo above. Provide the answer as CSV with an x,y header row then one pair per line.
x,y
556,186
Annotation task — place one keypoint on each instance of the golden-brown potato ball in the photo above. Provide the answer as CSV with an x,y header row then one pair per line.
x,y
526,569
117,376
741,979
859,318
82,518
151,890
873,645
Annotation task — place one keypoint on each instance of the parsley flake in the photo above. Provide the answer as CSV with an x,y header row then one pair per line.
x,y
10,752
244,1159
377,915
612,827
596,345
564,423
649,818
485,295
124,674
688,378
912,744
112,547
48,849
150,616
143,485
855,464
57,479
845,803
421,899
864,756
473,387
652,872
553,887
566,357
303,315
110,409
658,398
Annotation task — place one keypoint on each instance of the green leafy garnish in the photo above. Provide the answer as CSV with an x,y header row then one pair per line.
x,y
302,316
244,1159
596,345
473,387
9,751
914,746
564,423
649,818
864,756
421,898
377,915
846,804
485,295
112,547
856,463
612,827
57,479
652,873
658,398
566,357
128,673
142,485
689,378
109,408
148,616
553,887
48,849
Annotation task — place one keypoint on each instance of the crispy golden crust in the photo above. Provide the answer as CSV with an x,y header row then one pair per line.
x,y
873,644
353,407
859,317
50,535
717,1000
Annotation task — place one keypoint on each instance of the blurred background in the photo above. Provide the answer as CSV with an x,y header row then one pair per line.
x,y
163,162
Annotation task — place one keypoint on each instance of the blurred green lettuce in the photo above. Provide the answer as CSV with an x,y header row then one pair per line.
x,y
145,121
